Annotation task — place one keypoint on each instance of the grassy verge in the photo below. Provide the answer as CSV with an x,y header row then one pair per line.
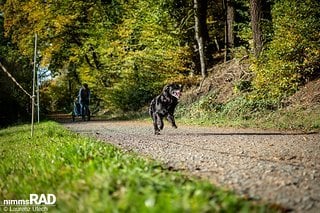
x,y
238,113
89,176
242,113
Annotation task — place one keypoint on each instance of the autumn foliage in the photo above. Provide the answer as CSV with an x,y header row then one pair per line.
x,y
127,50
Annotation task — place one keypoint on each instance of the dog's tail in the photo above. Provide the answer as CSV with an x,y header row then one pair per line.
x,y
152,107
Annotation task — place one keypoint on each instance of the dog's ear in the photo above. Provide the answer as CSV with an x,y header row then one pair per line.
x,y
166,89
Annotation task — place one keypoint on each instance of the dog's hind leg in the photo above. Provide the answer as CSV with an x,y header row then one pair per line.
x,y
172,120
159,121
160,124
156,119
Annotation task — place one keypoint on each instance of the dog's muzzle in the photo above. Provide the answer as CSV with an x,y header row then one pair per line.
x,y
176,94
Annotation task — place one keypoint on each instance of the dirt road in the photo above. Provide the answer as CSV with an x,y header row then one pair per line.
x,y
277,167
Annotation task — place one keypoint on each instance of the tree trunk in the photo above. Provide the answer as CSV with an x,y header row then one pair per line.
x,y
229,38
200,15
255,10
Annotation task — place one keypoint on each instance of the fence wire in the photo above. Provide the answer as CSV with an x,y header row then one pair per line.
x,y
14,80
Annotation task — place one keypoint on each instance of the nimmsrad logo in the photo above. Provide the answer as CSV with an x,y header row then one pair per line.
x,y
36,202
34,199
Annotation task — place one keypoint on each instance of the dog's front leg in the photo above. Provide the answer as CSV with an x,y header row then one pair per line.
x,y
170,118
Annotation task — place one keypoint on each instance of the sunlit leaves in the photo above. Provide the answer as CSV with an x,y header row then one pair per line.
x,y
293,54
108,44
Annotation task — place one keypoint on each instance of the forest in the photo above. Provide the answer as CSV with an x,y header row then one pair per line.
x,y
127,50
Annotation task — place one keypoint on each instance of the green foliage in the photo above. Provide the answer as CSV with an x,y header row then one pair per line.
x,y
293,54
243,86
118,48
133,92
208,104
245,108
245,111
240,108
142,52
14,104
127,50
243,32
86,175
56,96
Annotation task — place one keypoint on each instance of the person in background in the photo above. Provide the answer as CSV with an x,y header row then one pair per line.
x,y
84,100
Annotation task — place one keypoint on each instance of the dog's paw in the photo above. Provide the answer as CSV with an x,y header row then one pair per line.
x,y
157,132
174,126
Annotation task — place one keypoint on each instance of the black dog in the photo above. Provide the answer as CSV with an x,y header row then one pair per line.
x,y
164,105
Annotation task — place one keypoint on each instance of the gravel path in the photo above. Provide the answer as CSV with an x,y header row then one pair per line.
x,y
277,167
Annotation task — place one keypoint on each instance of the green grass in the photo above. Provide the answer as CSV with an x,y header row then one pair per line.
x,y
243,113
297,119
87,175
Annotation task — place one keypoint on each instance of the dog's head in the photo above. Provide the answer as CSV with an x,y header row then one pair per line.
x,y
174,90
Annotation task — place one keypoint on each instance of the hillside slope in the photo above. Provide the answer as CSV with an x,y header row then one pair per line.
x,y
226,98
